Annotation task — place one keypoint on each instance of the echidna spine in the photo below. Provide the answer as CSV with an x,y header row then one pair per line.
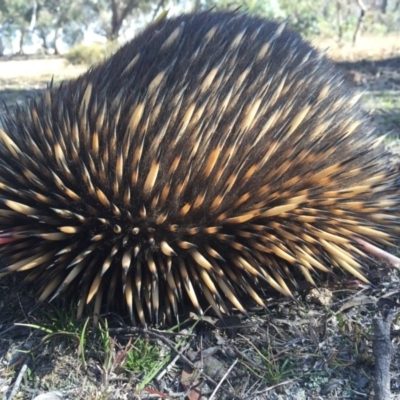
x,y
214,153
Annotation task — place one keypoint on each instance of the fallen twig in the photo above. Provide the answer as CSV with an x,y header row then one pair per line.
x,y
382,349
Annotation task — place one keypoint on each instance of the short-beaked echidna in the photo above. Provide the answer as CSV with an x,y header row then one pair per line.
x,y
214,152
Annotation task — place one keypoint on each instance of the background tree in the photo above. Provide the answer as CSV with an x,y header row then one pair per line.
x,y
18,18
66,19
53,20
112,14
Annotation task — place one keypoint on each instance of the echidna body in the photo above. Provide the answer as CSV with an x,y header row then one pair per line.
x,y
213,153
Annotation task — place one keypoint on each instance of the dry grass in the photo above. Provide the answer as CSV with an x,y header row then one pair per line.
x,y
367,48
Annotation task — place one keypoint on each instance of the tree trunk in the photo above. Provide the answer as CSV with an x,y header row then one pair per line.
x,y
119,15
45,45
33,20
339,20
56,35
360,21
196,6
21,42
1,47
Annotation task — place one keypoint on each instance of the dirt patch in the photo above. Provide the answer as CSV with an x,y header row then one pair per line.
x,y
370,48
23,79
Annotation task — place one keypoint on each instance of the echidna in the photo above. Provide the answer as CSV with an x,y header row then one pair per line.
x,y
214,152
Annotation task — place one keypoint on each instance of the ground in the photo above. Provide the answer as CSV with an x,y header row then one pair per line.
x,y
317,347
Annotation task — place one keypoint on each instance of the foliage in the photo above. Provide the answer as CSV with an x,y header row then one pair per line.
x,y
308,15
264,8
60,19
142,357
16,16
52,20
319,17
90,54
111,16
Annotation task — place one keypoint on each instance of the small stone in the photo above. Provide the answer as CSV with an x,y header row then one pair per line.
x,y
50,396
320,296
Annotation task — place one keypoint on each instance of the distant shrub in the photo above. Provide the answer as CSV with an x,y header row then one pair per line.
x,y
90,54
